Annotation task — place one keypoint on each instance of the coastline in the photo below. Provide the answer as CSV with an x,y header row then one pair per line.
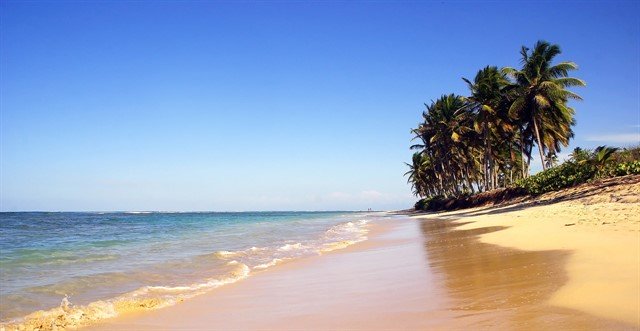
x,y
516,267
315,292
562,260
172,281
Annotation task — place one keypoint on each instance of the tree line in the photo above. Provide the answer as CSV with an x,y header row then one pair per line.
x,y
485,140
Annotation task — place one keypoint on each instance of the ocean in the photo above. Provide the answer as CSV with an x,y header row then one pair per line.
x,y
97,265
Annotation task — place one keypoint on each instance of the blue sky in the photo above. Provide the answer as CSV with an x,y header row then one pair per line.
x,y
272,105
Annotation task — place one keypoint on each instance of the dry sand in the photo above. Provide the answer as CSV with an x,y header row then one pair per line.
x,y
513,267
596,225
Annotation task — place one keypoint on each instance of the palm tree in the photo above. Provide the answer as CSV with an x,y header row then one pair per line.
x,y
481,141
417,174
602,155
580,155
487,98
444,133
542,98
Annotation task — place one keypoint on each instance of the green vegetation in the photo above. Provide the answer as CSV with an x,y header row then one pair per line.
x,y
584,166
484,141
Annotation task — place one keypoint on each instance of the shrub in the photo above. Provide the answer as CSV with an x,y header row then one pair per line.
x,y
565,175
573,173
620,169
469,201
429,203
629,154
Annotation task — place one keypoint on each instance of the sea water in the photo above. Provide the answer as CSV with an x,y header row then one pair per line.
x,y
67,269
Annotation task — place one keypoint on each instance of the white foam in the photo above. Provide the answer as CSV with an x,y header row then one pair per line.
x,y
147,297
269,264
154,297
225,253
290,247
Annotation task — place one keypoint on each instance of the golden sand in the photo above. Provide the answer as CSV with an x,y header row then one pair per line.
x,y
597,228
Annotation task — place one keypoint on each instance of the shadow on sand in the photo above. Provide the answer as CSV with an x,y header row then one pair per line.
x,y
584,191
496,287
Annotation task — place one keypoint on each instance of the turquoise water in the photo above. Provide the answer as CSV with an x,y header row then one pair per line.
x,y
119,258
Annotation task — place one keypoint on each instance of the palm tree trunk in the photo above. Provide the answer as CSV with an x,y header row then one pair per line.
x,y
535,127
512,159
522,152
442,179
492,184
455,184
487,160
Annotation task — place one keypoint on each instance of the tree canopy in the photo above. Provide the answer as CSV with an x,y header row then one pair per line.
x,y
484,140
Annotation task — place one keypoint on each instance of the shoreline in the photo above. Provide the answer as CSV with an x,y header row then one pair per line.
x,y
378,284
207,272
549,263
451,270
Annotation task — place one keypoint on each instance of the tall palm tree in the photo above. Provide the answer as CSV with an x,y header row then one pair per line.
x,y
542,99
487,98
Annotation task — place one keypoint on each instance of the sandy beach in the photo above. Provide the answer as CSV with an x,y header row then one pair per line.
x,y
597,228
572,264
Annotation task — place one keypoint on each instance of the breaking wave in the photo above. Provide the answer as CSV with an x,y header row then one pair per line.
x,y
68,315
239,265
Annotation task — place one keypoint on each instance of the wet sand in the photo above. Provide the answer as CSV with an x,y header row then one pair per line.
x,y
412,274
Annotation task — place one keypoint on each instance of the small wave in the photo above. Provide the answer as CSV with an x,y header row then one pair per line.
x,y
240,263
231,254
224,254
349,227
290,247
328,247
240,271
68,315
270,264
344,235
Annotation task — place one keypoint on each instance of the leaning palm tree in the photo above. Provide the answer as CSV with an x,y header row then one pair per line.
x,y
542,97
451,124
446,144
417,174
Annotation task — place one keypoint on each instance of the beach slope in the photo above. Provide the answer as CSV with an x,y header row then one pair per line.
x,y
597,224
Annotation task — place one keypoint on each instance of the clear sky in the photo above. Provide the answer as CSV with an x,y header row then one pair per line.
x,y
197,105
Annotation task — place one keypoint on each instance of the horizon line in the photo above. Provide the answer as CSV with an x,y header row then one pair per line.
x,y
184,211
